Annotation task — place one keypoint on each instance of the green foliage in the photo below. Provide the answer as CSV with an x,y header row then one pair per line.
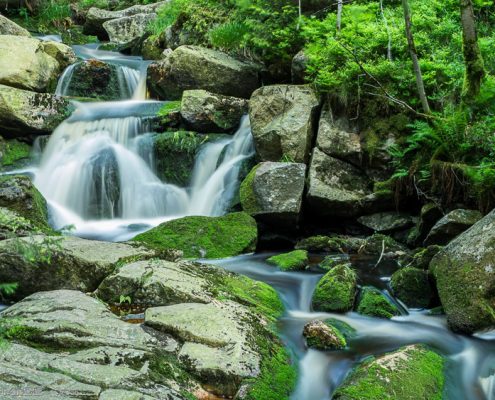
x,y
12,152
125,299
38,250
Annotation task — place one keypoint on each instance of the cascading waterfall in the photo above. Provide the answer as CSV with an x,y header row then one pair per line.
x,y
96,171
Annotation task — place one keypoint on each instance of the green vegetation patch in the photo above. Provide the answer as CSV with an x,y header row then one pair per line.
x,y
373,303
12,152
247,195
296,260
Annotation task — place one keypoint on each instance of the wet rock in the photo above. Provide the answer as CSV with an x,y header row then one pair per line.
x,y
413,372
374,303
32,64
378,244
129,32
296,260
205,237
272,192
23,112
335,292
209,112
194,67
453,224
40,263
413,287
298,67
14,154
386,222
332,261
151,49
282,122
332,244
420,258
14,225
321,336
8,27
465,277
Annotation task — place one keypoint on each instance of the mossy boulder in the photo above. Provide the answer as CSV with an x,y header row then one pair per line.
x,y
331,244
296,260
451,225
332,261
14,225
421,257
386,222
336,290
321,336
373,303
207,112
413,287
129,32
465,277
205,237
379,243
13,153
411,373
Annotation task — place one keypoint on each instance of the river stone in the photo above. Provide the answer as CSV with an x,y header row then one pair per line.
x,y
46,263
32,64
335,292
386,222
128,32
8,27
23,112
465,277
413,372
336,188
272,192
96,17
207,112
282,121
218,340
374,303
412,286
156,282
321,336
296,260
451,225
194,67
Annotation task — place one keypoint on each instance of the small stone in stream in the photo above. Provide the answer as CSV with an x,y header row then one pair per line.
x,y
374,303
336,290
412,286
381,244
296,260
321,336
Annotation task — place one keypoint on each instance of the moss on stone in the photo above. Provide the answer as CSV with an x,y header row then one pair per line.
x,y
204,237
344,328
412,373
296,260
317,243
412,286
12,152
247,195
169,108
322,336
336,290
373,303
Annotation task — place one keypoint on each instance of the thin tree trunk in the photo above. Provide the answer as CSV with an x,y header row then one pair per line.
x,y
340,7
414,58
389,45
475,71
300,14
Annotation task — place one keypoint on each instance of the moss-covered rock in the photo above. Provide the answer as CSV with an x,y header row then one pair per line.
x,y
331,244
347,331
412,286
336,290
420,258
374,303
378,244
321,336
411,373
451,225
206,237
13,153
13,225
296,260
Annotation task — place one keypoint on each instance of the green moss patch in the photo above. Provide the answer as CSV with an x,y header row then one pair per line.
x,y
205,237
13,152
412,286
336,290
373,303
296,260
247,195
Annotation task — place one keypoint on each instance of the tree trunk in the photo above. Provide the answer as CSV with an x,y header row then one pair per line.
x,y
475,70
340,7
389,44
414,57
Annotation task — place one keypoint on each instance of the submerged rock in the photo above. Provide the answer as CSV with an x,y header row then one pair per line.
x,y
336,291
465,277
23,112
374,303
282,122
413,287
209,112
272,192
32,64
296,260
8,27
413,372
321,336
194,67
451,225
204,237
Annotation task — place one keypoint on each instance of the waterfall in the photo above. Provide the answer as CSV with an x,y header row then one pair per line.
x,y
97,169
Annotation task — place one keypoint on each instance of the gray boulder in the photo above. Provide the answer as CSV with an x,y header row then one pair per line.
x,y
386,222
465,277
273,192
209,112
8,27
128,32
23,112
451,225
298,67
194,67
282,122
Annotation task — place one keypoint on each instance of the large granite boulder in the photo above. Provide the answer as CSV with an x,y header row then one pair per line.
x,y
272,192
194,67
386,222
130,31
32,64
23,112
207,112
8,27
465,277
282,122
451,225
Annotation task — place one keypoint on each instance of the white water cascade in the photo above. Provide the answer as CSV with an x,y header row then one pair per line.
x,y
98,177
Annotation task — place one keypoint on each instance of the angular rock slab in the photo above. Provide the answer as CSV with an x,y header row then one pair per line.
x,y
218,338
128,31
451,225
273,192
282,121
386,222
